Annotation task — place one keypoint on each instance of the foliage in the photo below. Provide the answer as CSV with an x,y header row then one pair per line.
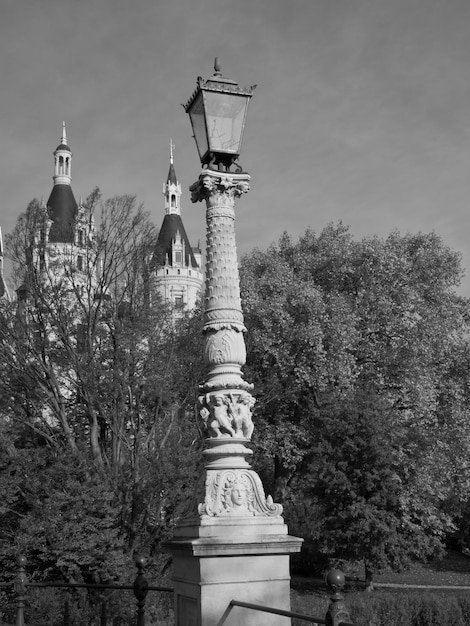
x,y
96,404
359,355
398,608
358,352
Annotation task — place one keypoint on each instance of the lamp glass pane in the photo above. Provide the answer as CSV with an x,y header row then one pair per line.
x,y
198,121
225,120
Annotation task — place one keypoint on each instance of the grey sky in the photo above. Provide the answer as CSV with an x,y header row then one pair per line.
x,y
362,111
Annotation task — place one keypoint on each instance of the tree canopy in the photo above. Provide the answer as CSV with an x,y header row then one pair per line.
x,y
358,352
95,390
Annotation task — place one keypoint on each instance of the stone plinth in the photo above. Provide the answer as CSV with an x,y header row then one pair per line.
x,y
245,560
231,544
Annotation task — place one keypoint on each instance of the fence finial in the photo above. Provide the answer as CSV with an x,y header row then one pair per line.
x,y
140,590
337,611
20,589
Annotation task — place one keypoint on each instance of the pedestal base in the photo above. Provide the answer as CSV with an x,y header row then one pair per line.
x,y
209,572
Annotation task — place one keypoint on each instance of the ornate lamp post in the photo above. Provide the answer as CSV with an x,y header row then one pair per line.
x,y
232,542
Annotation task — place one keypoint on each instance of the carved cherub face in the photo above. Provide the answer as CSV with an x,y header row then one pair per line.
x,y
238,494
218,400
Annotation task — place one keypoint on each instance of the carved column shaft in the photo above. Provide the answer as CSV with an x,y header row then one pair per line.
x,y
224,351
229,487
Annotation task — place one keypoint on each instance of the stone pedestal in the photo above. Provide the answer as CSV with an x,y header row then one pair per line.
x,y
209,572
231,544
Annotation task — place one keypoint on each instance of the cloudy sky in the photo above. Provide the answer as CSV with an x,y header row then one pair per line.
x,y
361,114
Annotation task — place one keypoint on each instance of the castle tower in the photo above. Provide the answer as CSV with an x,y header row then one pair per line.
x,y
176,266
64,229
62,206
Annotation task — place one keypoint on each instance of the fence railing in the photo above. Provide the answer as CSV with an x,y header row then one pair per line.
x,y
140,588
336,615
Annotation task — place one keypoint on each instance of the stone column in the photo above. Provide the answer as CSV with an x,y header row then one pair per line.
x,y
231,542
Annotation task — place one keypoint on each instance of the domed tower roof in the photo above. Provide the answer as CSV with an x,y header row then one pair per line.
x,y
62,209
172,228
62,206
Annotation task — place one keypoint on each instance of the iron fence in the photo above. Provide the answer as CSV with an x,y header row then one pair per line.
x,y
140,589
336,615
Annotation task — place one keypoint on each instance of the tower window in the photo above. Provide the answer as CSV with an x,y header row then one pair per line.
x,y
80,237
80,263
173,200
179,302
178,257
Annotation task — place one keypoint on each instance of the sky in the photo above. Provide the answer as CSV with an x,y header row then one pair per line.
x,y
361,111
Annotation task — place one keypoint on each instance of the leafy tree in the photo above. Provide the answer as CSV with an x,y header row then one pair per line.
x,y
97,379
357,352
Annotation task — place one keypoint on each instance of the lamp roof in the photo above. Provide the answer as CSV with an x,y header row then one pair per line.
x,y
217,82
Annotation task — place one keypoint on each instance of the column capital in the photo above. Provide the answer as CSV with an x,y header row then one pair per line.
x,y
214,183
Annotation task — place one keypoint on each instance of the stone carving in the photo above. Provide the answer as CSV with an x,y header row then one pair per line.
x,y
238,497
216,416
236,493
242,420
222,282
220,318
211,184
225,346
230,380
225,415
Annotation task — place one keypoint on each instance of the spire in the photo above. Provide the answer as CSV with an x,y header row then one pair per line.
x,y
172,188
3,285
64,135
171,174
63,161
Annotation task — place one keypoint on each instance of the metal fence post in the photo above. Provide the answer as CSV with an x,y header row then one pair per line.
x,y
20,590
66,614
140,590
337,611
104,617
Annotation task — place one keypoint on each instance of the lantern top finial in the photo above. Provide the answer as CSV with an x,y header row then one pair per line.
x,y
217,71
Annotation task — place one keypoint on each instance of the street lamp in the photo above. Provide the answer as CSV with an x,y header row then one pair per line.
x,y
231,538
217,110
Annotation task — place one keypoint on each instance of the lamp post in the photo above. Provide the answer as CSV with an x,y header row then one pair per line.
x,y
231,542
